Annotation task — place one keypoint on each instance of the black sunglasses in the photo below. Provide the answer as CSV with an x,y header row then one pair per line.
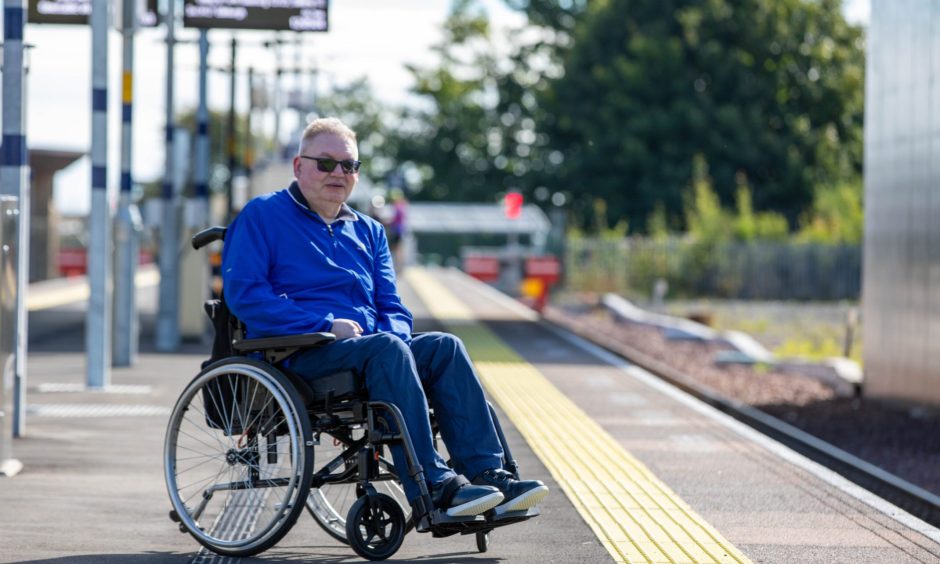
x,y
325,164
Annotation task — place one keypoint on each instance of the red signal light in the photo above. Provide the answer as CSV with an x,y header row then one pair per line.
x,y
512,204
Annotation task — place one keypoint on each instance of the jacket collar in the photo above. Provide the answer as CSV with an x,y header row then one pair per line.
x,y
346,213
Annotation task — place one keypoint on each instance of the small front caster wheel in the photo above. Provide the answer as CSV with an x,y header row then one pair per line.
x,y
483,541
375,526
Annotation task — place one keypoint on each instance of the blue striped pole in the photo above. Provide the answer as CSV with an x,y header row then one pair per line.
x,y
201,169
128,224
98,322
168,331
14,177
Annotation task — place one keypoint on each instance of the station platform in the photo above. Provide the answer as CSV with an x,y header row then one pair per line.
x,y
638,471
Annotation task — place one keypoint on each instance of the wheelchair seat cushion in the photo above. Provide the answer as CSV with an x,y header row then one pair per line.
x,y
334,388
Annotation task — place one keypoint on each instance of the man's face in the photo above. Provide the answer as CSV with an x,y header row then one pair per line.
x,y
326,191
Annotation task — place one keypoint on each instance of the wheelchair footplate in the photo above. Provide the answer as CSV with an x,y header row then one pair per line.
x,y
443,525
500,518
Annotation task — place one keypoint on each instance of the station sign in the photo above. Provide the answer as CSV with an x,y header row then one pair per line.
x,y
274,15
76,12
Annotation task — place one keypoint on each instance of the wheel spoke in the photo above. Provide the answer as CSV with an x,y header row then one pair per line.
x,y
235,457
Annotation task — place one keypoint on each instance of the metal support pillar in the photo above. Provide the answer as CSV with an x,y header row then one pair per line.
x,y
14,182
168,334
276,99
230,141
249,150
9,223
201,170
128,223
98,322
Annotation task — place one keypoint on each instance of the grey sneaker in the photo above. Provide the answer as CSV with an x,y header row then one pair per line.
x,y
520,494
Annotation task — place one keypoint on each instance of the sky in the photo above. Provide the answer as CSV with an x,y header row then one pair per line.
x,y
373,38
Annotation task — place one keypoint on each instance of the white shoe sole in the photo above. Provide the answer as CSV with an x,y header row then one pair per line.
x,y
476,506
527,500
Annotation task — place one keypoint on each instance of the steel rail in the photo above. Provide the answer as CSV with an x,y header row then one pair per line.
x,y
905,495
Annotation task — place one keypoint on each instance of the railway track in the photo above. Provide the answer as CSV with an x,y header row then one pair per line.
x,y
905,495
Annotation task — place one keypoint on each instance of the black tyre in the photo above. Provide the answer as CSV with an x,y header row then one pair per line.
x,y
329,504
237,457
483,541
375,527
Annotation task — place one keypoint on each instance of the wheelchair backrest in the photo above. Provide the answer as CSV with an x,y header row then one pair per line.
x,y
222,391
227,329
226,326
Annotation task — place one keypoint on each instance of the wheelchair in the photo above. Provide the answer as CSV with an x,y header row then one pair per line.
x,y
250,445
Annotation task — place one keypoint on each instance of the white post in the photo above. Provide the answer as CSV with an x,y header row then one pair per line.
x,y
128,222
14,181
168,334
98,323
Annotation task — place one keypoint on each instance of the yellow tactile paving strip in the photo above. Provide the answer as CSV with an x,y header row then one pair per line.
x,y
634,514
64,295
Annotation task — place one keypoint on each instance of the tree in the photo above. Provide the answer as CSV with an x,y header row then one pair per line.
x,y
357,106
836,216
768,88
448,138
476,137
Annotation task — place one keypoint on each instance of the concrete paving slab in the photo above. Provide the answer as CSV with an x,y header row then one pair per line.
x,y
92,489
772,510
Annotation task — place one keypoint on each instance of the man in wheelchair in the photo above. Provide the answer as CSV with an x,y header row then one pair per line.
x,y
301,261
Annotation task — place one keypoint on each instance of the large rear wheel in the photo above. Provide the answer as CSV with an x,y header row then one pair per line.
x,y
237,457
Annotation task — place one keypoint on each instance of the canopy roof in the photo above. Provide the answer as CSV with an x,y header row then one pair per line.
x,y
432,217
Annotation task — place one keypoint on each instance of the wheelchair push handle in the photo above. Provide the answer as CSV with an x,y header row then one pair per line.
x,y
207,236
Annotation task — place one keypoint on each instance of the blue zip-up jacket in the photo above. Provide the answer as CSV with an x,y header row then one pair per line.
x,y
286,272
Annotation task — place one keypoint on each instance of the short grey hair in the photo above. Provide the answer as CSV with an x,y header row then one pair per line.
x,y
326,125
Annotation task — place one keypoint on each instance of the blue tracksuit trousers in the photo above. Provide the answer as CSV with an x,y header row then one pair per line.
x,y
436,363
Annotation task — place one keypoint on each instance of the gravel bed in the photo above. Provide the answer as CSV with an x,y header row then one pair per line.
x,y
903,440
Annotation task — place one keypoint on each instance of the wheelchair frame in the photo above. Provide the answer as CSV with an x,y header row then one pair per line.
x,y
259,426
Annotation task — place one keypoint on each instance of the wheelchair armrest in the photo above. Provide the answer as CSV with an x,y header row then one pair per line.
x,y
285,342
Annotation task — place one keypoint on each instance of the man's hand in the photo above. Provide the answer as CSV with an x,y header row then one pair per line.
x,y
346,328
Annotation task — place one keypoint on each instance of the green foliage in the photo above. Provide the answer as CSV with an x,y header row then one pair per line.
x,y
750,226
476,134
713,231
358,107
770,88
836,216
706,220
709,223
619,102
657,225
463,134
818,346
561,15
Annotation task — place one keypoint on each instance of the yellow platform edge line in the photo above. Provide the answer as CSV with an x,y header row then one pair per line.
x,y
50,298
635,515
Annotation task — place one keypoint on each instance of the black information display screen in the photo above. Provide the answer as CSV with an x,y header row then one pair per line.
x,y
59,11
77,11
286,15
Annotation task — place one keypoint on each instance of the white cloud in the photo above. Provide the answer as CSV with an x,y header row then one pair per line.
x,y
857,11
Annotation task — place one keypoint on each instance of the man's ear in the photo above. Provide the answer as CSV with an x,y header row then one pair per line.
x,y
297,167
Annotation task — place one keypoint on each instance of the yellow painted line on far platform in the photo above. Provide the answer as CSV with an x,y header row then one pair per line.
x,y
46,296
636,516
